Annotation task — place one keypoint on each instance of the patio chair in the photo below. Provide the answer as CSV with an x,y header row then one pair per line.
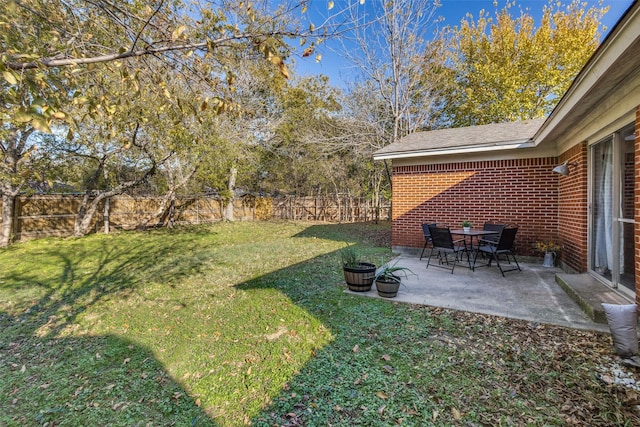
x,y
504,246
443,244
491,226
427,236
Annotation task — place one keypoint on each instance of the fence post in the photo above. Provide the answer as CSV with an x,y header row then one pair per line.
x,y
290,208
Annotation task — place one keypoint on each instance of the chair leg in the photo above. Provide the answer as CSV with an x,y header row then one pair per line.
x,y
429,259
511,269
514,260
499,266
423,249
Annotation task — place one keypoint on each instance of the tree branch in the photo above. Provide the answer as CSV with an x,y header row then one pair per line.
x,y
52,62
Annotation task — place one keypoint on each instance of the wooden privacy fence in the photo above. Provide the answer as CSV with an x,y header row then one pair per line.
x,y
55,215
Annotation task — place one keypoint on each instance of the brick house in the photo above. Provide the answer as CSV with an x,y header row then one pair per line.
x,y
503,172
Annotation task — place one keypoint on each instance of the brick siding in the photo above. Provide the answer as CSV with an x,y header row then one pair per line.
x,y
636,214
522,192
572,210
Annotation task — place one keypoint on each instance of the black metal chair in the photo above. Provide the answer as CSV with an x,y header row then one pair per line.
x,y
427,236
504,246
490,226
442,242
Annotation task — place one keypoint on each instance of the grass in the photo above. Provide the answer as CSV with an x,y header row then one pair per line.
x,y
247,323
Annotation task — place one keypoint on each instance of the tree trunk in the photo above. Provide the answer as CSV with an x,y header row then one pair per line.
x,y
105,216
87,209
164,214
8,205
228,211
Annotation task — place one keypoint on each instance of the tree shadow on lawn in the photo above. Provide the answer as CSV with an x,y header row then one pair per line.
x,y
342,383
375,234
102,380
50,377
389,363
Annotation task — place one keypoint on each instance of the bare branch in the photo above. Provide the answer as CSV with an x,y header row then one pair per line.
x,y
155,12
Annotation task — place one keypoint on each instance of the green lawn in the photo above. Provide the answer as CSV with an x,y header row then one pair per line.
x,y
247,323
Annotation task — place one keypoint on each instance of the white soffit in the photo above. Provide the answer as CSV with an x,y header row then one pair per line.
x,y
527,153
454,151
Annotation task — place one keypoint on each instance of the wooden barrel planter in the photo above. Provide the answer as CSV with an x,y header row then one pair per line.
x,y
360,278
388,286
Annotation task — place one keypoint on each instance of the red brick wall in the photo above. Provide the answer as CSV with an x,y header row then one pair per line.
x,y
573,212
637,205
523,192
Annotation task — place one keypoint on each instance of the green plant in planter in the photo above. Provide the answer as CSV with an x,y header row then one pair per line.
x,y
388,279
349,257
358,274
466,223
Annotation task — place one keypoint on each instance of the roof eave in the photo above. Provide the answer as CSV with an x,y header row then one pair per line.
x,y
528,143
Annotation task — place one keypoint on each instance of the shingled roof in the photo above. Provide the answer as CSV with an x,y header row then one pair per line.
x,y
467,139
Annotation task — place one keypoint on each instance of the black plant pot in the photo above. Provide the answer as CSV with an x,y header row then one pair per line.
x,y
388,287
360,278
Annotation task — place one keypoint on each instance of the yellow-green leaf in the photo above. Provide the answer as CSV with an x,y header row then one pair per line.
x,y
38,103
40,124
9,77
22,116
178,32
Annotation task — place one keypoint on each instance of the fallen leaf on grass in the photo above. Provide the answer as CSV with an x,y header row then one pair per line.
x,y
389,369
456,414
381,409
120,405
382,395
386,357
356,348
409,411
362,378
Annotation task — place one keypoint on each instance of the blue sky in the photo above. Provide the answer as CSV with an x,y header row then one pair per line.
x,y
452,11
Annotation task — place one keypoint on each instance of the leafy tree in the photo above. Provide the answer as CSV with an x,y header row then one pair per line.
x,y
508,69
301,153
54,51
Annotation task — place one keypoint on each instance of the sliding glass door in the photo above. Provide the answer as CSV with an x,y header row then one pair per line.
x,y
612,210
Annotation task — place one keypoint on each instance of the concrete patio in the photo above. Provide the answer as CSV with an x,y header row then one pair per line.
x,y
533,294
